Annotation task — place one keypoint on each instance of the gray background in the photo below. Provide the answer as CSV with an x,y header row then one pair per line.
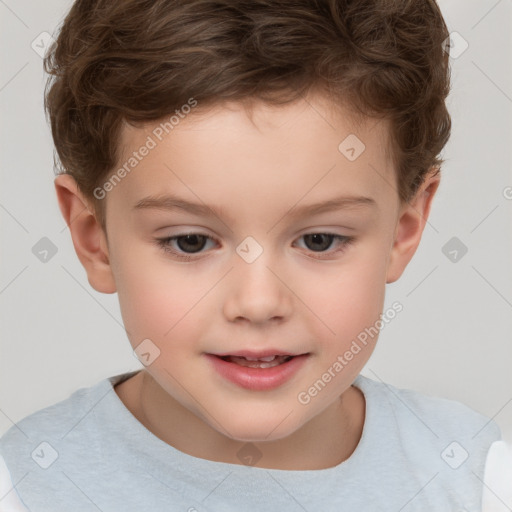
x,y
453,337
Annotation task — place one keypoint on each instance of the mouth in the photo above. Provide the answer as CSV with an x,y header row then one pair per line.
x,y
258,371
258,362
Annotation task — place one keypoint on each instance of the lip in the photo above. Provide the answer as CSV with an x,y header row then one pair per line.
x,y
257,379
257,355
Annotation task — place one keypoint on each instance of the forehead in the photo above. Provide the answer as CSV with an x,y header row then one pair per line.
x,y
309,149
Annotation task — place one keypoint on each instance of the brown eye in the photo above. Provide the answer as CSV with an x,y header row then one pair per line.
x,y
186,246
325,245
191,243
318,241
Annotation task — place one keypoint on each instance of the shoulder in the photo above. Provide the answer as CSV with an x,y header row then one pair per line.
x,y
439,413
52,421
430,426
34,443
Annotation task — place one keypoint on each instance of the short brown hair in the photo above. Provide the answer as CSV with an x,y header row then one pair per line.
x,y
139,60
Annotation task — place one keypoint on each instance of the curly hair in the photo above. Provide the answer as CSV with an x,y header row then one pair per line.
x,y
138,61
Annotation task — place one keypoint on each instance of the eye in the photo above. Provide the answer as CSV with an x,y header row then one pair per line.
x,y
190,244
320,242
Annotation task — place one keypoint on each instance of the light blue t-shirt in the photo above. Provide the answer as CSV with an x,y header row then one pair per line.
x,y
89,453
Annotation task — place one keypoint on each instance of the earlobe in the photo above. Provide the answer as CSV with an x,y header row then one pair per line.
x,y
411,222
87,234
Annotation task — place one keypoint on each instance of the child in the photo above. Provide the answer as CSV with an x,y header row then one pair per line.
x,y
257,130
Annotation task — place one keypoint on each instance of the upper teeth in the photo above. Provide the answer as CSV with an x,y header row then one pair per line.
x,y
266,359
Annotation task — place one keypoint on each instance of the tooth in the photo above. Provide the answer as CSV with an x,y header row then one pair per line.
x,y
267,365
266,362
266,359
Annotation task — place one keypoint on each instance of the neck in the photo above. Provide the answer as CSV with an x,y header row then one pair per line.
x,y
325,441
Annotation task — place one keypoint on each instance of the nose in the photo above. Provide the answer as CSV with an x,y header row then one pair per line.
x,y
256,293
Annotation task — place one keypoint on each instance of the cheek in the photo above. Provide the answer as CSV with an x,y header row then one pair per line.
x,y
157,301
365,289
351,298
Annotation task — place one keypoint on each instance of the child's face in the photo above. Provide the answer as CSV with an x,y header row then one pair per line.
x,y
302,295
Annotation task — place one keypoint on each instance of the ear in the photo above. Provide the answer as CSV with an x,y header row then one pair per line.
x,y
411,220
89,239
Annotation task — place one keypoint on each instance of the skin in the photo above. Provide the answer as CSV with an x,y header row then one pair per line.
x,y
295,296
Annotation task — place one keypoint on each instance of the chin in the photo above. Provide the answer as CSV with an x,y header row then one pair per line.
x,y
259,430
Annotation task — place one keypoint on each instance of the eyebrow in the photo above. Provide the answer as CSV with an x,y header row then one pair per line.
x,y
171,202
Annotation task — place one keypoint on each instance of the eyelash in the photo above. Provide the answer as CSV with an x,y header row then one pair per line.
x,y
164,244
